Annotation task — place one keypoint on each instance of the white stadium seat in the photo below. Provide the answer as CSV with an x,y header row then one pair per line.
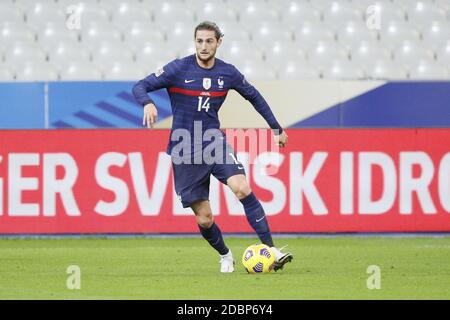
x,y
113,5
10,13
421,13
43,12
324,52
126,15
443,53
342,70
308,35
123,71
107,54
339,13
11,33
152,55
179,33
80,72
386,70
409,53
282,52
293,13
354,33
234,32
266,34
94,34
6,74
51,35
65,52
298,71
251,13
253,70
213,11
443,4
367,52
140,33
24,51
394,33
235,51
169,13
36,72
186,48
436,33
426,70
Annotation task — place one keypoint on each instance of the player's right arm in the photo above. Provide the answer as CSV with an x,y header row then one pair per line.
x,y
162,78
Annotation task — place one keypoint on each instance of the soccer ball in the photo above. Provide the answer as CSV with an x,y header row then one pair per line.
x,y
258,258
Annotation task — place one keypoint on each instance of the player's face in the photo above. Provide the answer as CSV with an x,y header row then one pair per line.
x,y
206,44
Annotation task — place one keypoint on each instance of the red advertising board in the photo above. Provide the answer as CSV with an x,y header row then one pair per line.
x,y
326,180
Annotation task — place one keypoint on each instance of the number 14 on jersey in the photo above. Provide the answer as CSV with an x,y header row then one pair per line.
x,y
203,104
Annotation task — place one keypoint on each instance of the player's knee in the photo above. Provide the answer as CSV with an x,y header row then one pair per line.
x,y
205,220
242,190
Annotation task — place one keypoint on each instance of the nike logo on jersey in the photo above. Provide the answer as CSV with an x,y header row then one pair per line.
x,y
258,220
189,81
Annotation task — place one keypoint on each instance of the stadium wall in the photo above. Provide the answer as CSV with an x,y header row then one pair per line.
x,y
333,176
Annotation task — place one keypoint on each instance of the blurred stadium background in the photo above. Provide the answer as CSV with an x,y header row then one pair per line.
x,y
362,87
267,39
68,64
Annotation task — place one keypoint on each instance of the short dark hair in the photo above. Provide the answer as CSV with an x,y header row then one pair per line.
x,y
211,26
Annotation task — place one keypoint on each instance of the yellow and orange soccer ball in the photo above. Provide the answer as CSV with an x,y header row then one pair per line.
x,y
258,258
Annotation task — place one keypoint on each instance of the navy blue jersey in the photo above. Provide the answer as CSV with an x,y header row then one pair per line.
x,y
196,94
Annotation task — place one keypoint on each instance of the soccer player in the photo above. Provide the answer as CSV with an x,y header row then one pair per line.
x,y
197,86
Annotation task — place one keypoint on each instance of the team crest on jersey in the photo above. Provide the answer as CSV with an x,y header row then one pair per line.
x,y
206,83
220,82
159,72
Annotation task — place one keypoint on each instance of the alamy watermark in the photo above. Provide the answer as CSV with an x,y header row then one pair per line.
x,y
374,280
373,17
73,20
215,146
73,281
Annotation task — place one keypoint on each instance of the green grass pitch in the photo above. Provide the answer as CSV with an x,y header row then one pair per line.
x,y
187,268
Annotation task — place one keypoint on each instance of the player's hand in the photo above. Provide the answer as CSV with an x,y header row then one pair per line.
x,y
150,115
281,139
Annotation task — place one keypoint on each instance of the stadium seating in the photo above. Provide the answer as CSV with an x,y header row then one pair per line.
x,y
79,72
327,38
6,74
435,34
352,33
443,54
325,52
299,70
409,53
124,71
342,70
386,70
37,72
367,52
308,35
427,70
256,70
393,32
67,52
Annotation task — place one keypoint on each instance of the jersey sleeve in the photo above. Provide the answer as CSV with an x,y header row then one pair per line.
x,y
160,79
250,93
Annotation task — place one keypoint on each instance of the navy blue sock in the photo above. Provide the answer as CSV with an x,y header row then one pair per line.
x,y
257,218
214,236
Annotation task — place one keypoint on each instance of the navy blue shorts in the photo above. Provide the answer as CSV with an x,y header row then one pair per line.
x,y
192,180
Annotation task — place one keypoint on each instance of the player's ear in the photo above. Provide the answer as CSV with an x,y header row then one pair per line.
x,y
219,42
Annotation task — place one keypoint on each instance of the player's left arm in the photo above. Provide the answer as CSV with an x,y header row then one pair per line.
x,y
250,93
